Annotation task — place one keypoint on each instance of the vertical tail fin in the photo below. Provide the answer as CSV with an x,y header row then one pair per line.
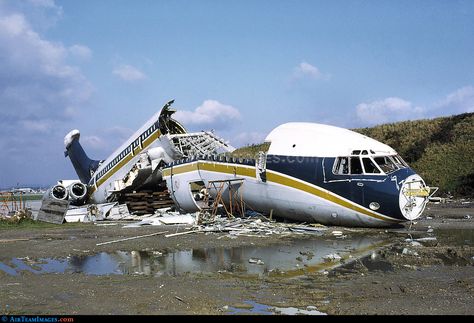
x,y
83,165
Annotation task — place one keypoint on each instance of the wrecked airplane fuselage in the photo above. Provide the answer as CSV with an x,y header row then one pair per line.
x,y
137,163
311,173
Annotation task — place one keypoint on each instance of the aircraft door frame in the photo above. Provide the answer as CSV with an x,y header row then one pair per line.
x,y
261,167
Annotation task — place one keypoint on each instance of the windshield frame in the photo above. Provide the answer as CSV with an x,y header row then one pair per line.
x,y
391,163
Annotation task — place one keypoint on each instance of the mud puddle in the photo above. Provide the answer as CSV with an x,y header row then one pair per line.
x,y
254,308
456,237
290,259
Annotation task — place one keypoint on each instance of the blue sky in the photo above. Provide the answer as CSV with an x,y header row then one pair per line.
x,y
238,67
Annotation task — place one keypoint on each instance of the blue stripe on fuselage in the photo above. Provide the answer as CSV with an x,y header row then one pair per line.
x,y
318,171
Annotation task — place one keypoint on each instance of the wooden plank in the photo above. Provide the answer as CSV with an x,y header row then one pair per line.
x,y
163,202
180,233
137,237
52,210
13,240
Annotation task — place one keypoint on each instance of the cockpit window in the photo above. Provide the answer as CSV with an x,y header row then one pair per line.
x,y
341,166
365,163
386,164
399,161
369,166
356,166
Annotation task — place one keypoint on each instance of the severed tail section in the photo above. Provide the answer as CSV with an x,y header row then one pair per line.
x,y
83,165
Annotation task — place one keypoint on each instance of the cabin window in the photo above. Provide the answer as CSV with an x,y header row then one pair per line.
x,y
369,166
341,166
356,166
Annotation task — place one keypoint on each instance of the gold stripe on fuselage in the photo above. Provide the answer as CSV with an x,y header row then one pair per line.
x,y
324,194
148,141
233,169
273,177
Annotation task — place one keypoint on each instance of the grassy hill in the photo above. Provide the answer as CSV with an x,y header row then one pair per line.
x,y
441,150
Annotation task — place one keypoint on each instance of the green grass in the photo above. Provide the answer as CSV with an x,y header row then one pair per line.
x,y
28,197
25,224
441,150
250,151
32,224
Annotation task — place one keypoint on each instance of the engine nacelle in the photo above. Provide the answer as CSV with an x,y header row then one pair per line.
x,y
58,192
77,193
69,190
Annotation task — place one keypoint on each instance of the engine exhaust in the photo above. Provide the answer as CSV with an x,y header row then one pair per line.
x,y
77,193
59,192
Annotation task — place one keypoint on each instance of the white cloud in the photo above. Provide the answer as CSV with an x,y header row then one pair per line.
x,y
248,138
117,131
459,101
40,92
387,110
43,3
42,14
104,141
129,73
35,78
80,51
210,113
395,109
306,70
36,126
94,142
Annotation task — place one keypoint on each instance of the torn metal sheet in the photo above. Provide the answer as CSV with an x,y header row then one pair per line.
x,y
118,212
178,219
89,213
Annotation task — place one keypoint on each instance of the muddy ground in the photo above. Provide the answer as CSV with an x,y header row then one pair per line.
x,y
423,268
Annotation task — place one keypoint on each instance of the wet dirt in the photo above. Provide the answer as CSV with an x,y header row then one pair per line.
x,y
425,267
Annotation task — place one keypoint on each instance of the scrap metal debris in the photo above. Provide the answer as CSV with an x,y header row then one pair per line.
x,y
253,224
256,261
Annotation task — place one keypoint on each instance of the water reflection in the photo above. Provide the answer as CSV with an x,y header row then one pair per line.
x,y
296,257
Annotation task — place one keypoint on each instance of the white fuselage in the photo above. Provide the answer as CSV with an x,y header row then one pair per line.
x,y
303,177
120,163
281,195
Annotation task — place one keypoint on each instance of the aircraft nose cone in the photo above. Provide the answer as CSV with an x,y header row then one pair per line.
x,y
413,197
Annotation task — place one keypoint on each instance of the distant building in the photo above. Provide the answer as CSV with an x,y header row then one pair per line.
x,y
25,190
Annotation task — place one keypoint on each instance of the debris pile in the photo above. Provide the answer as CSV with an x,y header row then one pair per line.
x,y
252,224
146,202
255,226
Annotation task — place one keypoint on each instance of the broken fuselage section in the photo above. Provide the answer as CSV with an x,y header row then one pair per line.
x,y
137,163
